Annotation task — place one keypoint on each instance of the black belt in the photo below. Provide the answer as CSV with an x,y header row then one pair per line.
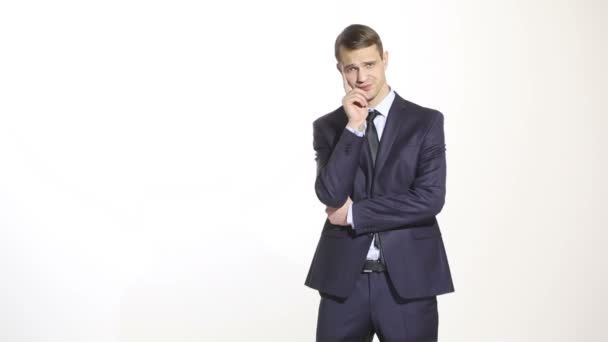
x,y
374,266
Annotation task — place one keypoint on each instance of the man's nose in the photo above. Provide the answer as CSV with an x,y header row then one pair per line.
x,y
361,76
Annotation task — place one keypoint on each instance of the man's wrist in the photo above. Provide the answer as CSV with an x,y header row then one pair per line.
x,y
358,126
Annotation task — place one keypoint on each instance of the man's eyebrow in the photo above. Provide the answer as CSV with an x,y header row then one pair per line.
x,y
364,63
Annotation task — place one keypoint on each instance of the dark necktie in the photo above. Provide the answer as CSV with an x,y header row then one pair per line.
x,y
373,141
372,134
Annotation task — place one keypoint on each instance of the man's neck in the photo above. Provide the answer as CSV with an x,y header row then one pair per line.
x,y
381,95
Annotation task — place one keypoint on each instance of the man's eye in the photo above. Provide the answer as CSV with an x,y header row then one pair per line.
x,y
369,65
351,69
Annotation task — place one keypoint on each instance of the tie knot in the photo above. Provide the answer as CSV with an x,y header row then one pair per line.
x,y
372,115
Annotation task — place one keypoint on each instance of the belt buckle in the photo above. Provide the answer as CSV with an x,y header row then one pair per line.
x,y
371,267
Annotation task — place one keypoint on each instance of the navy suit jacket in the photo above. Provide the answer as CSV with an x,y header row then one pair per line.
x,y
399,199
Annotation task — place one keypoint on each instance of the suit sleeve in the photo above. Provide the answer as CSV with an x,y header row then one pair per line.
x,y
336,165
421,202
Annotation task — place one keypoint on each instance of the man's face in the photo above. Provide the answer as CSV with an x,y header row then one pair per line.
x,y
364,69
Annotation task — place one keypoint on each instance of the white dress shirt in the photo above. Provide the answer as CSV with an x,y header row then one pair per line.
x,y
379,121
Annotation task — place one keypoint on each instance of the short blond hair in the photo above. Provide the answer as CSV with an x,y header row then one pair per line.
x,y
357,36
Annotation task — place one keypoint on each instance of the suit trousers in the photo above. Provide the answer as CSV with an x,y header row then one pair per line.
x,y
375,308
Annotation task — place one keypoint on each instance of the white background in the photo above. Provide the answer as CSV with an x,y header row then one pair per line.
x,y
157,170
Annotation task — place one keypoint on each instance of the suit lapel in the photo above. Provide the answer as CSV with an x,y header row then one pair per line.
x,y
395,119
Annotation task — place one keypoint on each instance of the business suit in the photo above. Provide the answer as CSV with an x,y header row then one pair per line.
x,y
398,198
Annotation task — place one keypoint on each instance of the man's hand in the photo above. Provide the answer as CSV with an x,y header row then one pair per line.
x,y
337,216
355,105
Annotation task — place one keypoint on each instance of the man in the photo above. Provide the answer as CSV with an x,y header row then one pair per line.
x,y
380,261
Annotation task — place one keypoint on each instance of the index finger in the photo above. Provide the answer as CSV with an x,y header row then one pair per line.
x,y
345,84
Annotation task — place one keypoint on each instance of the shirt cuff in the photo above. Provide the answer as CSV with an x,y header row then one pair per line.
x,y
349,216
356,131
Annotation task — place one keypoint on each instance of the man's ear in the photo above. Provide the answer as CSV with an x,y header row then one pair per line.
x,y
338,67
385,59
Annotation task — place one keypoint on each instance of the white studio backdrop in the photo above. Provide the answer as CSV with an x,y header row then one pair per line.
x,y
157,171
